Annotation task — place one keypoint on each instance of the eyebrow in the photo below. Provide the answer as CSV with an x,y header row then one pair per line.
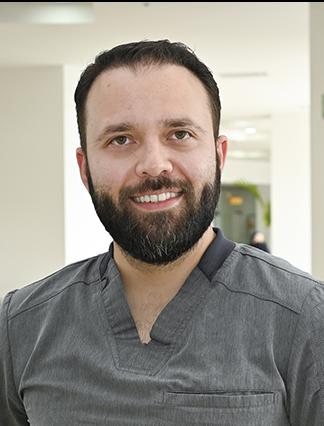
x,y
170,123
181,122
115,128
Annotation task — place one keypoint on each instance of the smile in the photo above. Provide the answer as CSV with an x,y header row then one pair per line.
x,y
156,198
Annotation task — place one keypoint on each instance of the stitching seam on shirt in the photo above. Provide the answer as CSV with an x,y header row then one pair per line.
x,y
257,296
192,307
292,347
236,250
9,348
315,358
51,297
320,384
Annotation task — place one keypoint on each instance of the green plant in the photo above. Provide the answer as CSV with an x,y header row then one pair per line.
x,y
254,191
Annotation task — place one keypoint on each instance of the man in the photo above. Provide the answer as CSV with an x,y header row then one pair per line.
x,y
175,325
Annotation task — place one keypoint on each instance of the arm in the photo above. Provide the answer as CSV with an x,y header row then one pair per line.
x,y
12,412
305,383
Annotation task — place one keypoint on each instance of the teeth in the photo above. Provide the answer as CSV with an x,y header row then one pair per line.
x,y
155,198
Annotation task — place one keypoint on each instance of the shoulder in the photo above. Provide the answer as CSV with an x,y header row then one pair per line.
x,y
73,276
262,275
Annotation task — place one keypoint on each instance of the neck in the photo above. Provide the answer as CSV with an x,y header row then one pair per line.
x,y
143,275
148,289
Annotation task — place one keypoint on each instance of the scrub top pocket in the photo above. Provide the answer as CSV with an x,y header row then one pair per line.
x,y
227,409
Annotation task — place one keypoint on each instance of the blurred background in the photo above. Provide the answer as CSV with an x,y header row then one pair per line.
x,y
267,58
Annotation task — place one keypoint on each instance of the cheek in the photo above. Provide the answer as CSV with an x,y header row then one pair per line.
x,y
102,180
202,170
106,173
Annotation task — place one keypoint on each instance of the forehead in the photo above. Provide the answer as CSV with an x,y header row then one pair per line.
x,y
146,92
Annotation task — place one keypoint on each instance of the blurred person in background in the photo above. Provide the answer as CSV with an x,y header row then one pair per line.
x,y
258,241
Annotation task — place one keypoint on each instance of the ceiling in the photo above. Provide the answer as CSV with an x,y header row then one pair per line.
x,y
257,51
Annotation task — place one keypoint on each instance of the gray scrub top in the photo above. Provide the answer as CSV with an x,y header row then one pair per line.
x,y
241,344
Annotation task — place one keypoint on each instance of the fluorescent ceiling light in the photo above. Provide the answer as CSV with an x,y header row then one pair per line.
x,y
46,12
250,130
248,155
236,135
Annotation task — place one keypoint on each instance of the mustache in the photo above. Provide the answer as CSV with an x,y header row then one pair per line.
x,y
155,184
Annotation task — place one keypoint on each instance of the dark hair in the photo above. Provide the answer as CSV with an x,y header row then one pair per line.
x,y
145,53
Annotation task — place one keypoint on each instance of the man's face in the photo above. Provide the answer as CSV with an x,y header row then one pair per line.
x,y
151,159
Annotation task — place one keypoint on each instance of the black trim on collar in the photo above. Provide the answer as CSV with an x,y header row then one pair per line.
x,y
216,254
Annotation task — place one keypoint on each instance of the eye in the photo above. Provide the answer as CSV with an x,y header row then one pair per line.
x,y
181,135
120,140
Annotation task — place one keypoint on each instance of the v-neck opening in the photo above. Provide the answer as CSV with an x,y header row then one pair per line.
x,y
169,328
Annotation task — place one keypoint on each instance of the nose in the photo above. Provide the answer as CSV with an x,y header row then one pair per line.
x,y
153,160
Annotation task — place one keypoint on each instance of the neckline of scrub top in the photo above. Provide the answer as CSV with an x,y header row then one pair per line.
x,y
169,328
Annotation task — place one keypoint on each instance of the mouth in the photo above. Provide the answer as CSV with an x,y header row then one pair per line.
x,y
157,201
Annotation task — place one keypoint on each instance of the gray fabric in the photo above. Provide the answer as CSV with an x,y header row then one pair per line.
x,y
242,346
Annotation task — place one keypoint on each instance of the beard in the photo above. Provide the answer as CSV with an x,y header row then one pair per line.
x,y
157,238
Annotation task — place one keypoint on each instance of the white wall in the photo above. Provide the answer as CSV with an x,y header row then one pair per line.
x,y
253,171
31,174
317,135
84,234
290,188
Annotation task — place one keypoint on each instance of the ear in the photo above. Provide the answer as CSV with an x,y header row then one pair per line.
x,y
82,163
221,147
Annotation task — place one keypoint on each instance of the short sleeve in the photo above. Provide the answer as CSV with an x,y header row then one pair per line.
x,y
12,412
